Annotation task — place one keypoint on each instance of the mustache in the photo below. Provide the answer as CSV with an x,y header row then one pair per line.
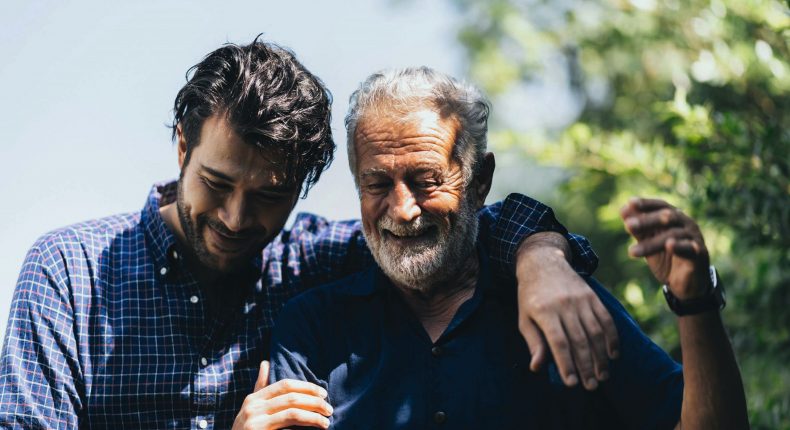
x,y
414,228
219,227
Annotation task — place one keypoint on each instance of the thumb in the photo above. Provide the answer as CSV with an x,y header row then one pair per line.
x,y
535,342
263,377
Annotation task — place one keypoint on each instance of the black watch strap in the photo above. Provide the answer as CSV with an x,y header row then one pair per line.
x,y
714,300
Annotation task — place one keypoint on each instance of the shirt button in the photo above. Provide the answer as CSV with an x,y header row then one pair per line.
x,y
163,271
203,361
194,299
436,351
202,424
439,417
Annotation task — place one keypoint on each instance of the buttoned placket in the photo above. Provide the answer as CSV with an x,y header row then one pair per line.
x,y
204,387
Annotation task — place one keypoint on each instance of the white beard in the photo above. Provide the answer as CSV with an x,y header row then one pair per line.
x,y
430,260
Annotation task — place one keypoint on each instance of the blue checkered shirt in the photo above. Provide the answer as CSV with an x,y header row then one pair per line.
x,y
108,329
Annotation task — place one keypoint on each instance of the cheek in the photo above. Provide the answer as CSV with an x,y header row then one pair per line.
x,y
441,204
199,199
274,217
372,208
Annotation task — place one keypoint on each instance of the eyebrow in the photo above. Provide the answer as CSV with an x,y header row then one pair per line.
x,y
217,173
377,171
276,188
372,172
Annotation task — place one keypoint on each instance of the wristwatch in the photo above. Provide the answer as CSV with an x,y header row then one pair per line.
x,y
713,300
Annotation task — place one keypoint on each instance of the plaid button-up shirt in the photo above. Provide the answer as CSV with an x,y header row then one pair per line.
x,y
109,330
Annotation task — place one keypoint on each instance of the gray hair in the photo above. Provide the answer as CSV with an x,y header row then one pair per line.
x,y
405,90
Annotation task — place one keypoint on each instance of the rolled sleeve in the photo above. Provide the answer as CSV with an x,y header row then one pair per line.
x,y
508,222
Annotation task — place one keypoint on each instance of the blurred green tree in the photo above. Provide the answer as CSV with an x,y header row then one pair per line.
x,y
681,99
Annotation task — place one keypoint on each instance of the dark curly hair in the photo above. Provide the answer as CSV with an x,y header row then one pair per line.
x,y
268,98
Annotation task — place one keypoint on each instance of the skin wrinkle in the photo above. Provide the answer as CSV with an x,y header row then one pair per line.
x,y
427,143
408,172
400,116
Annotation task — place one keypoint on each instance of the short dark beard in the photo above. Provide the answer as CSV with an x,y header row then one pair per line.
x,y
195,243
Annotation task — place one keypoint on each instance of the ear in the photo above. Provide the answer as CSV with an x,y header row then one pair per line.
x,y
484,178
182,146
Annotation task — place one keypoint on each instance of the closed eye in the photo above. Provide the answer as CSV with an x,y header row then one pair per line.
x,y
377,187
425,185
270,198
216,186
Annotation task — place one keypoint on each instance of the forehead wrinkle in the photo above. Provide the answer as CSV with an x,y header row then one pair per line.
x,y
419,167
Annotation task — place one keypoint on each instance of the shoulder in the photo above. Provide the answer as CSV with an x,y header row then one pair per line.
x,y
638,353
95,230
311,224
88,236
324,300
326,308
628,328
313,322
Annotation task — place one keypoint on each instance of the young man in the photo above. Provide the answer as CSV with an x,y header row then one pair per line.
x,y
160,319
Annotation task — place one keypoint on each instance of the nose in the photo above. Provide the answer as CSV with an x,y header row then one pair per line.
x,y
232,213
402,205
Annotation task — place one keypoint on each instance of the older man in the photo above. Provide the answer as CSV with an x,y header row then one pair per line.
x,y
427,338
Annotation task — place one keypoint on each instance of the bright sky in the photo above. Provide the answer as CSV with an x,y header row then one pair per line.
x,y
89,85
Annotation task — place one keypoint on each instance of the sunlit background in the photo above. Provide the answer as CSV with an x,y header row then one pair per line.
x,y
594,101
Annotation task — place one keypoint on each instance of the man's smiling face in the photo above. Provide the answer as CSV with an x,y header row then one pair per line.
x,y
233,197
418,218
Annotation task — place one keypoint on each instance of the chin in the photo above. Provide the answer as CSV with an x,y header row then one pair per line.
x,y
229,266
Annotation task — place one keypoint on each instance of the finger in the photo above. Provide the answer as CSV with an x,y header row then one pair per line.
x,y
298,401
297,417
581,352
595,335
535,342
286,386
560,349
685,248
657,243
609,328
639,225
263,377
638,204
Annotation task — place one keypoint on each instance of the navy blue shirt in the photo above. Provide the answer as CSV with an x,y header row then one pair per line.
x,y
358,339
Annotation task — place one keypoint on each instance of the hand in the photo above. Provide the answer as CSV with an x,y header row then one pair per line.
x,y
283,404
553,299
672,244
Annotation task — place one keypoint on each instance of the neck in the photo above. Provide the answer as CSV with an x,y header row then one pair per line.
x,y
435,305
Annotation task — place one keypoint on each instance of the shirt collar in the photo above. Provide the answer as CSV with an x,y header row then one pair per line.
x,y
161,241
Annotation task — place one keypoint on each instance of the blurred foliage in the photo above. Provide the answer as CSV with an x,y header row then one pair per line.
x,y
681,99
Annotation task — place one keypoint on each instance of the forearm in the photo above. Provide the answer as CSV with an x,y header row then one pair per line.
x,y
536,248
713,395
